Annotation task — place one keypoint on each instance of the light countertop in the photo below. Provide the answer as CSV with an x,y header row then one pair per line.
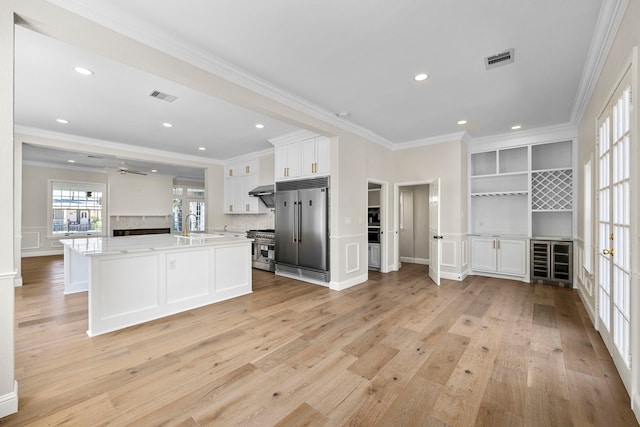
x,y
92,246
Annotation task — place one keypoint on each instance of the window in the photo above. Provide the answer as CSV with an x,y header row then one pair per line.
x,y
76,208
193,199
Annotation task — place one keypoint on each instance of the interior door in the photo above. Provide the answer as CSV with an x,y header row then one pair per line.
x,y
434,231
614,231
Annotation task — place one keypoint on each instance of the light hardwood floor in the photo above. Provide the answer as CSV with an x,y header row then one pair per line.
x,y
395,351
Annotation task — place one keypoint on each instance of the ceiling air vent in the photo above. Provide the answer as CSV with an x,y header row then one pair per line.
x,y
499,60
163,96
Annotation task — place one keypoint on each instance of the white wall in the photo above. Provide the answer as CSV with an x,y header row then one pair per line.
x,y
137,195
35,209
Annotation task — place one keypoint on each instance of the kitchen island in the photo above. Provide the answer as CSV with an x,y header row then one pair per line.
x,y
134,279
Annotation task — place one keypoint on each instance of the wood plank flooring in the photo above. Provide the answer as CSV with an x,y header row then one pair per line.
x,y
395,351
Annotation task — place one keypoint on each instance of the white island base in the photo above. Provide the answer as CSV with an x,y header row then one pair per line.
x,y
134,279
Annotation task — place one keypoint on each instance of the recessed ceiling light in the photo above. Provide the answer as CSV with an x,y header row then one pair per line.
x,y
63,121
421,77
71,161
462,122
154,170
167,125
202,148
343,114
84,71
516,127
259,126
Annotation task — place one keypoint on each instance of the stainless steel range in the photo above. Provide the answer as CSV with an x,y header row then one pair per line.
x,y
263,250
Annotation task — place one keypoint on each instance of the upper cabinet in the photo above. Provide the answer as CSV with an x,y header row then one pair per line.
x,y
301,155
239,179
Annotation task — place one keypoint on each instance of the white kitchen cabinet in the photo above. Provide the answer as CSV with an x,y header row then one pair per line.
x,y
374,256
240,178
288,161
499,255
301,155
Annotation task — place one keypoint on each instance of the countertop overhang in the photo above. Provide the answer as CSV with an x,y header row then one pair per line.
x,y
94,246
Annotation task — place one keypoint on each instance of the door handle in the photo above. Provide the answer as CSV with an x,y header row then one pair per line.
x,y
438,237
608,251
299,222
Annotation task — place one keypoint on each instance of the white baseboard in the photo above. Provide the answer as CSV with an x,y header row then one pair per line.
x,y
587,305
422,261
635,406
9,402
451,276
42,253
339,286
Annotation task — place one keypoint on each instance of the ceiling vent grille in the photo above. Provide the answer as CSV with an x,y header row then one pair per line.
x,y
503,58
163,96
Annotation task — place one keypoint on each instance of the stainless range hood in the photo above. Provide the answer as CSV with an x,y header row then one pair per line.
x,y
265,193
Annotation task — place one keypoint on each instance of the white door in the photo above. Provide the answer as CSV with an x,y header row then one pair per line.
x,y
434,231
614,231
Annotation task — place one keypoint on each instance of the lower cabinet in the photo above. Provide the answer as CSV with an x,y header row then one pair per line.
x,y
498,255
374,256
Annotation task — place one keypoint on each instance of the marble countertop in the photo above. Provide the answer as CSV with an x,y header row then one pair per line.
x,y
92,246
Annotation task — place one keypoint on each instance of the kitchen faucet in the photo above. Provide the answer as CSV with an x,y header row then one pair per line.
x,y
185,227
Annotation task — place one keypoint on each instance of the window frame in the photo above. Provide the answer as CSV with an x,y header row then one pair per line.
x,y
91,186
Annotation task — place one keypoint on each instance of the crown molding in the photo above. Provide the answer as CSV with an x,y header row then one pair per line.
x,y
61,140
299,135
64,167
456,136
555,133
248,157
609,19
143,33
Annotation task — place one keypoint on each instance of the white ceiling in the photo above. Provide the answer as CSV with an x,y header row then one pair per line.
x,y
338,56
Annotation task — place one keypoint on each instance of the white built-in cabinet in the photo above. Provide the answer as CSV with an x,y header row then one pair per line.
x,y
239,179
515,194
301,155
499,255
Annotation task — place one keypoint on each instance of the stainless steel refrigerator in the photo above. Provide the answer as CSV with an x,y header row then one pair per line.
x,y
302,228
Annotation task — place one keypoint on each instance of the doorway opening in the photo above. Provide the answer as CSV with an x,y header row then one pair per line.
x,y
417,224
377,220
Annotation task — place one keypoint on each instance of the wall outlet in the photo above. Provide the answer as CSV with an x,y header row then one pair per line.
x,y
172,264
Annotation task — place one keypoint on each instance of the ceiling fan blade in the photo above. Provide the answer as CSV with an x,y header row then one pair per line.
x,y
135,172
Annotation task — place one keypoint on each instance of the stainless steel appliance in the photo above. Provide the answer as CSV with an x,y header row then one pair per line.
x,y
302,228
263,249
265,193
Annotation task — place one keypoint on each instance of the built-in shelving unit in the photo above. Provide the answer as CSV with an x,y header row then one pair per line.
x,y
499,190
552,190
521,193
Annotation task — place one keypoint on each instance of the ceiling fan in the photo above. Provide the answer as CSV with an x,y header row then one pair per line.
x,y
123,169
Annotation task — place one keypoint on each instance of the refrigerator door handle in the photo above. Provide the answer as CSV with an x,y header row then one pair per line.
x,y
299,222
295,222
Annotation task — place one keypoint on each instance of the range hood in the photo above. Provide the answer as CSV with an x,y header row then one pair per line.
x,y
265,193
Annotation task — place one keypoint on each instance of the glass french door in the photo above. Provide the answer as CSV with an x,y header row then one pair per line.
x,y
614,231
